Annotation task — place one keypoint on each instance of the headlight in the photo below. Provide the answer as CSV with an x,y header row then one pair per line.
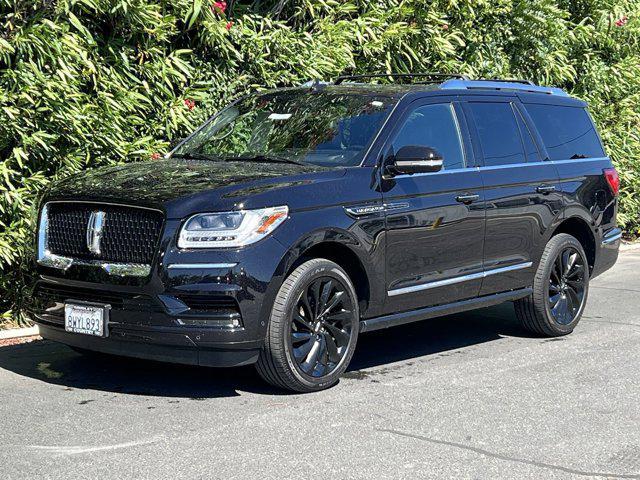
x,y
230,229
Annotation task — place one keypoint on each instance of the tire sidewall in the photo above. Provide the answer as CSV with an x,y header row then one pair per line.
x,y
315,269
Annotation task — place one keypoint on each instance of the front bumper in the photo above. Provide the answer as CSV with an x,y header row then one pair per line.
x,y
196,307
155,345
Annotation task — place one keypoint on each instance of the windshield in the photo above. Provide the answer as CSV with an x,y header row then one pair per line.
x,y
320,128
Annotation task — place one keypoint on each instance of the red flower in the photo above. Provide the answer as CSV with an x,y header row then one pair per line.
x,y
218,7
228,25
621,22
155,156
190,104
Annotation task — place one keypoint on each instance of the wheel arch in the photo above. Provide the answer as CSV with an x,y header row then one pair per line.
x,y
360,261
363,262
579,228
346,258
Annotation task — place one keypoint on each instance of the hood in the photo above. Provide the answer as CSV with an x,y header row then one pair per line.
x,y
181,186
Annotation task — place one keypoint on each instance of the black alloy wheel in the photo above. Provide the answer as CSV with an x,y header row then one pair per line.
x,y
313,328
559,291
321,326
567,285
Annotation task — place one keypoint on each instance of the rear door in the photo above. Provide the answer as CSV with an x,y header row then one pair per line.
x,y
522,192
575,148
573,145
434,221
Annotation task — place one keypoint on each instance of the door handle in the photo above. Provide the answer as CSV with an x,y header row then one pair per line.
x,y
545,189
467,198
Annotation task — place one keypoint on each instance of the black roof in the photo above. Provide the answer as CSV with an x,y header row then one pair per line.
x,y
525,90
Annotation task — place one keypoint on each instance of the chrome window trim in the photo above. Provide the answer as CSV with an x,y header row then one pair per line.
x,y
190,266
462,278
441,172
508,165
537,163
574,160
380,130
513,165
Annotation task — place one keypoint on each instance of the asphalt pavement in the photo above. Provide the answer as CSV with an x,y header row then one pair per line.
x,y
466,396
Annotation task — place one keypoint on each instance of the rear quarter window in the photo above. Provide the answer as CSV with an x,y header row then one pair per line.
x,y
567,132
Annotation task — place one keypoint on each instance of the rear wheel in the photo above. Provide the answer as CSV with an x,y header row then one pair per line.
x,y
560,289
313,329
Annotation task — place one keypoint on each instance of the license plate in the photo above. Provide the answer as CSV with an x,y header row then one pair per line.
x,y
86,319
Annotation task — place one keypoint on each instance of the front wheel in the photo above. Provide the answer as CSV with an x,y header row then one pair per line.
x,y
313,329
560,289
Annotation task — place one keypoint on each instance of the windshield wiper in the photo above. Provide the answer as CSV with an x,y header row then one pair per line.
x,y
195,156
263,158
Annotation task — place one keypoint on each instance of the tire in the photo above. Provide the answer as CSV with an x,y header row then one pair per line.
x,y
310,338
562,280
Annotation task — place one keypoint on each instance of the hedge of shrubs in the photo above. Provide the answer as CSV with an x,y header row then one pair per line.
x,y
85,83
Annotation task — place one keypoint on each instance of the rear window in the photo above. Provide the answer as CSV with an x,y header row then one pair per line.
x,y
567,132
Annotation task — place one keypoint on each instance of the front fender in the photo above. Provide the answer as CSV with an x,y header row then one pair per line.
x,y
308,230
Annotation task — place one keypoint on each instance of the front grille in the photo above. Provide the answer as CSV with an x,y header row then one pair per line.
x,y
129,235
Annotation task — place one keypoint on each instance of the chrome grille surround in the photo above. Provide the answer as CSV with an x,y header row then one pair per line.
x,y
119,267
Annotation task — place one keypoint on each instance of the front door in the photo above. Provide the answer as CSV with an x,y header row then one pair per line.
x,y
434,221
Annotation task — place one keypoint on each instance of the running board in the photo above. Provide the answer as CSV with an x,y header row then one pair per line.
x,y
401,318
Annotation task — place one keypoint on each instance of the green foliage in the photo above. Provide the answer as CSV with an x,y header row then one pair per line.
x,y
85,83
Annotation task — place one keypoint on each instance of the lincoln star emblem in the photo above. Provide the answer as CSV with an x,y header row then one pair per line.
x,y
94,231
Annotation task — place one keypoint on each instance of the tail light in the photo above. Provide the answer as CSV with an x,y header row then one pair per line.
x,y
612,179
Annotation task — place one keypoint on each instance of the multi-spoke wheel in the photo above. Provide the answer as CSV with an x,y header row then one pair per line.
x,y
313,328
567,285
560,289
323,319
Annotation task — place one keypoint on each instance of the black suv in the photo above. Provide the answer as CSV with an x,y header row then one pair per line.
x,y
295,219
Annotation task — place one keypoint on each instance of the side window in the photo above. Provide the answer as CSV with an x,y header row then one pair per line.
x,y
567,132
499,133
530,149
433,126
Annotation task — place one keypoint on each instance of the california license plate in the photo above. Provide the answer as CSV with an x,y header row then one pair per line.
x,y
86,319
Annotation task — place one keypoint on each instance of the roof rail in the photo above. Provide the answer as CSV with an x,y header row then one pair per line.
x,y
434,75
508,80
314,84
513,85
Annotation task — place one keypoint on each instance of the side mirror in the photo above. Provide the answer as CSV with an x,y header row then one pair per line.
x,y
416,159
